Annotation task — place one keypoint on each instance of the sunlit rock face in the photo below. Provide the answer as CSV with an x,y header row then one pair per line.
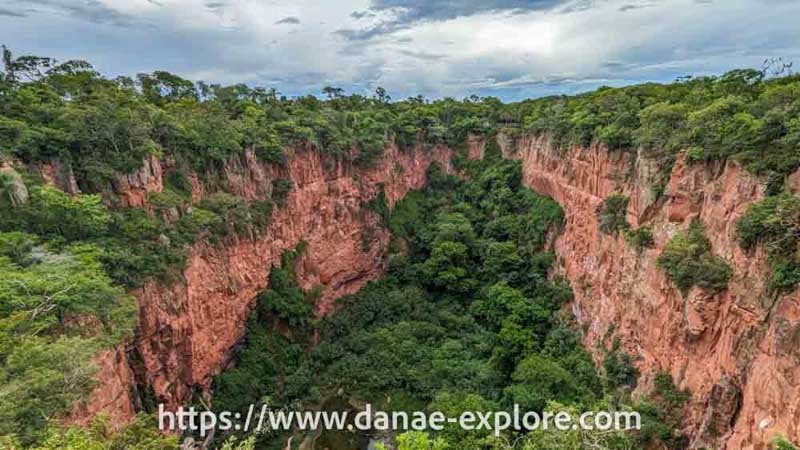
x,y
736,350
186,329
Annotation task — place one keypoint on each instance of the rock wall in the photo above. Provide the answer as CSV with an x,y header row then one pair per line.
x,y
187,329
735,351
132,189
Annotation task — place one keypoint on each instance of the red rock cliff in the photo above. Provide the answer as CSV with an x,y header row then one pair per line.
x,y
737,353
739,357
187,329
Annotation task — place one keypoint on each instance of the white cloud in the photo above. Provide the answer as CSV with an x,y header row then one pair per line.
x,y
503,50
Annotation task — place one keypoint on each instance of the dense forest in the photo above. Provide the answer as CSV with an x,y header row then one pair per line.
x,y
465,320
472,285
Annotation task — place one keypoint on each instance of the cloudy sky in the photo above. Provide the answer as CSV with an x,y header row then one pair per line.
x,y
507,48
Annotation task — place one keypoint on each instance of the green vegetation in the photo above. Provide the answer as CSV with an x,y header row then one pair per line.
x,y
467,314
619,368
99,126
466,319
417,440
551,438
58,307
640,238
612,214
688,261
740,114
141,434
131,244
775,223
780,443
661,414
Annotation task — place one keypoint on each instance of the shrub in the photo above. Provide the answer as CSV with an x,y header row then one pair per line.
x,y
726,126
280,190
13,191
380,206
612,214
538,379
619,369
669,395
663,127
781,443
640,238
662,413
166,199
688,261
774,223
57,215
17,246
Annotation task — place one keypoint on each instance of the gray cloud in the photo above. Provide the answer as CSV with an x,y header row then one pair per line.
x,y
421,10
548,81
11,13
631,7
291,20
372,32
422,55
576,6
89,10
361,14
406,13
408,49
614,65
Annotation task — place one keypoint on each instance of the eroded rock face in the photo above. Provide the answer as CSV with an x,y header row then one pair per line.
x,y
132,188
115,393
715,344
722,406
187,329
736,350
59,173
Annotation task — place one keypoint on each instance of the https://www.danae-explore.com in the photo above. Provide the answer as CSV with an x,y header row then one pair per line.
x,y
263,419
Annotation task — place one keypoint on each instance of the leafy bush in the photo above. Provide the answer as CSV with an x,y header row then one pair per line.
x,y
280,190
663,127
688,261
56,311
284,299
640,238
774,223
661,414
417,440
54,214
141,434
166,199
380,206
612,214
726,126
619,369
781,443
536,380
